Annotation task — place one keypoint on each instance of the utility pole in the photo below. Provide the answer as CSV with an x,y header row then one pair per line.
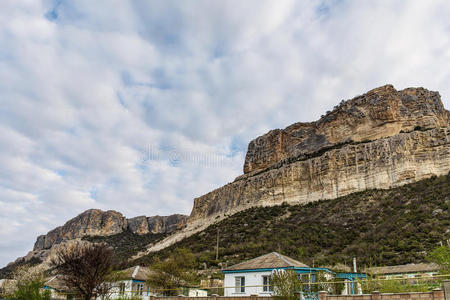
x,y
217,245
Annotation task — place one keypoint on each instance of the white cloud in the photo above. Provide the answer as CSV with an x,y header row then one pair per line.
x,y
86,88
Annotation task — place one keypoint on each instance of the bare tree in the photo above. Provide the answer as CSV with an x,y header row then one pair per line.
x,y
85,268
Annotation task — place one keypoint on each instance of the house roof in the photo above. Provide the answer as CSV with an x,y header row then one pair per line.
x,y
56,283
137,273
408,268
271,260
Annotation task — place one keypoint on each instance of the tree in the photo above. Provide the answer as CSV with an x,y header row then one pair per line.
x,y
174,272
84,268
441,256
285,284
28,284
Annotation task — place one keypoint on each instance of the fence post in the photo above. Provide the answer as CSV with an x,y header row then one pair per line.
x,y
323,295
376,295
438,294
446,286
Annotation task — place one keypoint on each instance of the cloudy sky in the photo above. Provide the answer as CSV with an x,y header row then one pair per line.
x,y
140,106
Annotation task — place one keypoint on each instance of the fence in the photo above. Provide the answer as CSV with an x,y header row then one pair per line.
x,y
437,294
428,288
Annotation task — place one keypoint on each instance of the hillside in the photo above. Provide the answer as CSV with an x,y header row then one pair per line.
x,y
379,227
356,182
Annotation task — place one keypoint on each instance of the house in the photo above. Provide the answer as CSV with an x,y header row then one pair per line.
x,y
405,271
132,283
252,277
58,290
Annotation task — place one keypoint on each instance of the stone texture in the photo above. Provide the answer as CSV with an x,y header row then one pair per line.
x,y
167,224
381,112
138,225
382,139
95,222
90,222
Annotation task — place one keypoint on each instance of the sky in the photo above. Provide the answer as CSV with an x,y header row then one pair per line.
x,y
141,106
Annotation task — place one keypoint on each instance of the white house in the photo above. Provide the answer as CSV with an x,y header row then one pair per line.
x,y
252,277
133,284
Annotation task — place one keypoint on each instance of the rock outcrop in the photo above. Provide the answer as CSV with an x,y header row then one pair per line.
x,y
95,222
382,139
156,224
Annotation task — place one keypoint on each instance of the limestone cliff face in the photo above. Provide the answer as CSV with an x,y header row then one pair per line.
x,y
96,222
382,139
156,224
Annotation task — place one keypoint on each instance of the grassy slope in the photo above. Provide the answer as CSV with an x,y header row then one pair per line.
x,y
379,227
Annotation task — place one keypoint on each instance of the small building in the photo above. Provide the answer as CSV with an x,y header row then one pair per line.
x,y
133,283
407,271
252,277
197,293
58,289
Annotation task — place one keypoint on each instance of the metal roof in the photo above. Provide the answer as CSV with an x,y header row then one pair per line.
x,y
271,260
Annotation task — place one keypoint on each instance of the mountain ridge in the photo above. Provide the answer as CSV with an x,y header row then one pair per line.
x,y
382,139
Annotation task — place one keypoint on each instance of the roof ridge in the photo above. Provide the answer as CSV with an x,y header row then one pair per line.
x,y
246,261
280,256
136,270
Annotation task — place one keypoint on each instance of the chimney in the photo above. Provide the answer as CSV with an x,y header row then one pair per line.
x,y
354,264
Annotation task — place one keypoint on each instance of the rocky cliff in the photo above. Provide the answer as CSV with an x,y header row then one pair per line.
x,y
379,140
95,222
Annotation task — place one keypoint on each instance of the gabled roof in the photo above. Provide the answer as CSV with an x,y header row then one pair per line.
x,y
271,260
56,283
408,268
137,273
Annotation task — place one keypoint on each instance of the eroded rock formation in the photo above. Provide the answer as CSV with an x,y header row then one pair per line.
x,y
382,139
95,222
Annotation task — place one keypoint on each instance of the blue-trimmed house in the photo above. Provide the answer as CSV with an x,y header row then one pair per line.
x,y
133,284
252,277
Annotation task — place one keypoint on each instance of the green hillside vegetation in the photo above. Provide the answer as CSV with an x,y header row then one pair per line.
x,y
126,244
379,227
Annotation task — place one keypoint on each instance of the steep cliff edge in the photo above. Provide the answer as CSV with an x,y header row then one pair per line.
x,y
382,139
95,222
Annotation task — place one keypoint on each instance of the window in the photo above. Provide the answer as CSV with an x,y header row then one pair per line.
x,y
267,287
304,278
239,284
140,289
122,288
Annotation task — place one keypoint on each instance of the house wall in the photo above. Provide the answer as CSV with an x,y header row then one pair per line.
x,y
130,290
407,275
197,293
253,282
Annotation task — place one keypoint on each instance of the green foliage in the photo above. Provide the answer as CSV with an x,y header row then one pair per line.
x,y
32,290
396,286
441,256
379,227
28,284
285,284
332,285
126,244
174,272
